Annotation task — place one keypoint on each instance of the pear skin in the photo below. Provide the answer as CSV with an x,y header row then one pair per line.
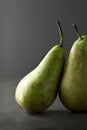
x,y
38,89
73,86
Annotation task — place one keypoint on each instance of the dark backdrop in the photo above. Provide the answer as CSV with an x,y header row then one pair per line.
x,y
28,30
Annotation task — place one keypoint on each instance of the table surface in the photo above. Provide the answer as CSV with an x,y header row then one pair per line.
x,y
12,117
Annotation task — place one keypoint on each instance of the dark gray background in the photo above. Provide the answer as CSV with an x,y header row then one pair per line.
x,y
28,30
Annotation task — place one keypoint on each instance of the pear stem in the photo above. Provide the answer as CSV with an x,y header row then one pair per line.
x,y
77,31
60,33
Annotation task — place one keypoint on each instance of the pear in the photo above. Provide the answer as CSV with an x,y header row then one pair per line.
x,y
73,86
38,89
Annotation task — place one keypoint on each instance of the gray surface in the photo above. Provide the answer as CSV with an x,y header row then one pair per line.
x,y
12,117
28,30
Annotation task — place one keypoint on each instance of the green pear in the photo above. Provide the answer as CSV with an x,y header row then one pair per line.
x,y
38,89
73,86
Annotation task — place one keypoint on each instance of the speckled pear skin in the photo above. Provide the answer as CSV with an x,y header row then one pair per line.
x,y
38,89
73,86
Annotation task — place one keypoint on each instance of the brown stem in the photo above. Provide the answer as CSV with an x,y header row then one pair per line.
x,y
77,31
60,33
